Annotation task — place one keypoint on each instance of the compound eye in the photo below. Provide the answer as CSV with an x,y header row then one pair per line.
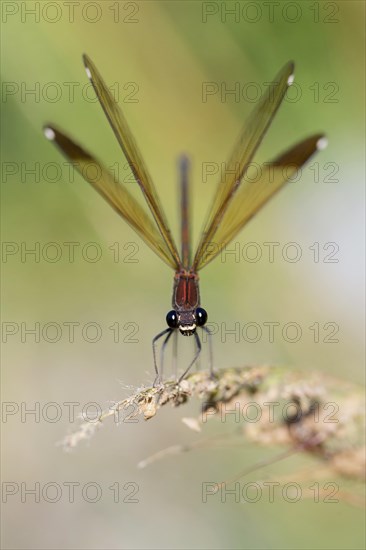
x,y
201,316
172,319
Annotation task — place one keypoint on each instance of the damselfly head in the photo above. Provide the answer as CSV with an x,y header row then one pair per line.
x,y
187,321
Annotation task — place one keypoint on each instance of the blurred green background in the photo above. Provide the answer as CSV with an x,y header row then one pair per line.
x,y
158,57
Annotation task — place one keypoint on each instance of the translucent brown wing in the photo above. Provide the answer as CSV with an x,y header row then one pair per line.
x,y
113,192
244,150
252,195
132,154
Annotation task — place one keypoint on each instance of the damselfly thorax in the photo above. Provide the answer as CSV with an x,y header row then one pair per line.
x,y
236,200
186,314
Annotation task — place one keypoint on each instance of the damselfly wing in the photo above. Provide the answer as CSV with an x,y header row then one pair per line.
x,y
236,201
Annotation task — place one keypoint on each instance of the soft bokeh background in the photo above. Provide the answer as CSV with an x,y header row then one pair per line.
x,y
160,54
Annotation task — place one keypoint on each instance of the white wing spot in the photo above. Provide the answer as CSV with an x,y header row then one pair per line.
x,y
88,72
322,143
290,79
49,133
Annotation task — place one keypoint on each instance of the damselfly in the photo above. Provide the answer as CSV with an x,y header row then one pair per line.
x,y
236,200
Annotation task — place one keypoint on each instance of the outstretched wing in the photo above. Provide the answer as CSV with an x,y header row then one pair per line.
x,y
132,154
252,195
244,150
114,192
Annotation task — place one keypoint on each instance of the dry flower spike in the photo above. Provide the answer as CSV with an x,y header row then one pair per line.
x,y
308,413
